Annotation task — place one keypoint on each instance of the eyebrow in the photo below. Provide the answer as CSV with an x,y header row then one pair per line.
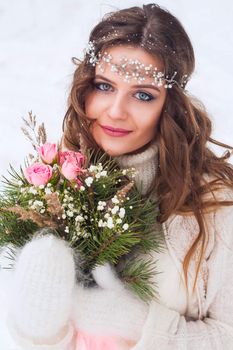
x,y
98,76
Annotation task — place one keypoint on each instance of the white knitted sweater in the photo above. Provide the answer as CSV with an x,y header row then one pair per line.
x,y
197,320
183,320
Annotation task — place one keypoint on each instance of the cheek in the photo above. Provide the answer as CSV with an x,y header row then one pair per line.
x,y
147,122
151,128
90,106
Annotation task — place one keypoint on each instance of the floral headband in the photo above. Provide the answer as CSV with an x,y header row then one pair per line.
x,y
132,69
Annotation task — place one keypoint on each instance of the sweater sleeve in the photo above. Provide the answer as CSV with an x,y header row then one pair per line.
x,y
166,329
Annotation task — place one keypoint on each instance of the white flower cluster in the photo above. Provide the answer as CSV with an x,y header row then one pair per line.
x,y
101,205
74,213
80,232
37,205
48,189
90,50
38,192
89,181
114,217
68,206
98,171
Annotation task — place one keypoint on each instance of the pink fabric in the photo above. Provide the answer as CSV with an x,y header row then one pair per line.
x,y
87,341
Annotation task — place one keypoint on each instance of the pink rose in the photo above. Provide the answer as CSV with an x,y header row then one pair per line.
x,y
71,164
47,152
38,174
70,169
79,157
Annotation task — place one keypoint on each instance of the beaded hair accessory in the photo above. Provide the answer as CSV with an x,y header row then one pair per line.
x,y
132,69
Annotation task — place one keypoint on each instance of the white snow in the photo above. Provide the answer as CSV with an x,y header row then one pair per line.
x,y
39,37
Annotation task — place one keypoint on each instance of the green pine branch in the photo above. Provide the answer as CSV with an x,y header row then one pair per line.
x,y
139,275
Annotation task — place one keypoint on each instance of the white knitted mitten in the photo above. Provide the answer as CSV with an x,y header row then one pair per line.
x,y
43,287
109,309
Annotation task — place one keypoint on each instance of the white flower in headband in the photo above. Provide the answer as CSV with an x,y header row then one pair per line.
x,y
90,51
132,69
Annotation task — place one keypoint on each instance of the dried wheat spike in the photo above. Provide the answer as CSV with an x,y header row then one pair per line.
x,y
54,204
42,133
40,220
122,193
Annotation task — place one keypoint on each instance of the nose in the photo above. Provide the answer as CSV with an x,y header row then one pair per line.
x,y
117,108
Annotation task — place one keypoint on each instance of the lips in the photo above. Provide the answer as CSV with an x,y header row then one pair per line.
x,y
115,129
109,130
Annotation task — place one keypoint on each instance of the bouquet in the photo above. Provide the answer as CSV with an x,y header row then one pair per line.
x,y
86,199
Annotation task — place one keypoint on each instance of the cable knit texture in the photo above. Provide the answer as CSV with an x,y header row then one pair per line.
x,y
212,328
145,164
202,319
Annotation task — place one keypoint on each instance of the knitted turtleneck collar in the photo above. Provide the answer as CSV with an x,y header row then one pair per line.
x,y
146,165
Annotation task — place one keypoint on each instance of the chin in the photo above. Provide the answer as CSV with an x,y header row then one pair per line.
x,y
114,153
121,148
106,147
120,151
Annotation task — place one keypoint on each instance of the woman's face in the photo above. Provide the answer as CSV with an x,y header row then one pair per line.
x,y
124,114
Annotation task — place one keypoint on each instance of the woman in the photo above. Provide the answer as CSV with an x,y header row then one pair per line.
x,y
128,98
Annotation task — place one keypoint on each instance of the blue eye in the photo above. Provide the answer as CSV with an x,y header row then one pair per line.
x,y
102,86
144,96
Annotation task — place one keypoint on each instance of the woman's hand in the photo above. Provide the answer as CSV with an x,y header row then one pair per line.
x,y
109,308
43,286
44,296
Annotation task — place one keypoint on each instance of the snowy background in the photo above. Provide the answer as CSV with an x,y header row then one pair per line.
x,y
39,37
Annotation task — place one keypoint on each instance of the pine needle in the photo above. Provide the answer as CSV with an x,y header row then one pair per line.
x,y
139,276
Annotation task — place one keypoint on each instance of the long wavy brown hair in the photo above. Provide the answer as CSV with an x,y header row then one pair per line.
x,y
184,127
